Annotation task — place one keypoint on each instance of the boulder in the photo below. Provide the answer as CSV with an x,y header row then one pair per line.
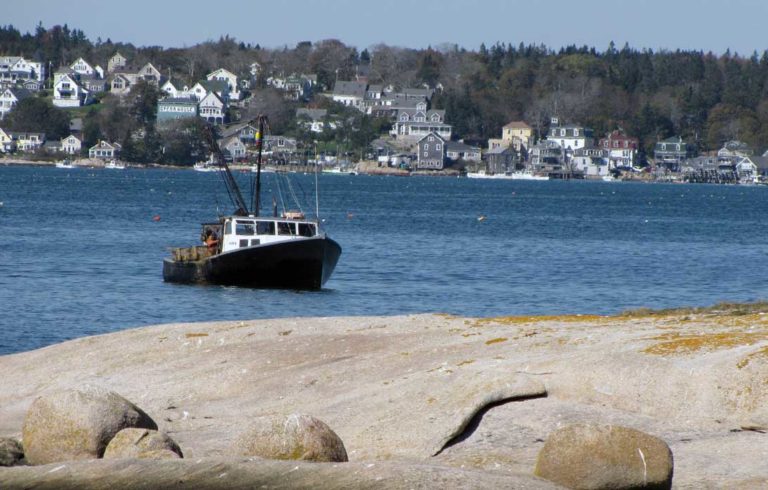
x,y
77,424
292,437
142,443
11,452
605,456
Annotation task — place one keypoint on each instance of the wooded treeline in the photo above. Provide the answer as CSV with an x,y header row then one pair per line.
x,y
706,98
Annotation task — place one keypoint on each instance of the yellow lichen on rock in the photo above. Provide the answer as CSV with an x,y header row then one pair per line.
x,y
522,320
678,343
496,341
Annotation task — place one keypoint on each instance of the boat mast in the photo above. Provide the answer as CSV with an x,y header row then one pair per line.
x,y
259,146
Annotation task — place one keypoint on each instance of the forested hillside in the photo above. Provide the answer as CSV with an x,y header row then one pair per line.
x,y
706,98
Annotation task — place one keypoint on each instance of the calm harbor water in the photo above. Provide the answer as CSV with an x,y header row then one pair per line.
x,y
83,254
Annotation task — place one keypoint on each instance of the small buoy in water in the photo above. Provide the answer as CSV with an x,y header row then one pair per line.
x,y
156,217
481,218
350,215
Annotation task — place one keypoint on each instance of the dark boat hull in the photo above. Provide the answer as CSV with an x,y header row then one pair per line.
x,y
295,264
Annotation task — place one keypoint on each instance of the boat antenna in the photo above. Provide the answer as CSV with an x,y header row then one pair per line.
x,y
317,192
259,147
233,190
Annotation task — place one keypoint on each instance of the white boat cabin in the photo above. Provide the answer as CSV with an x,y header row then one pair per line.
x,y
247,231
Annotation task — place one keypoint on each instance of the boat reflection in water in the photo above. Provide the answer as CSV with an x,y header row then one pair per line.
x,y
245,249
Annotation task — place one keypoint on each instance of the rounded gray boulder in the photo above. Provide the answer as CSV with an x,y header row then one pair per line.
x,y
11,452
604,456
142,443
292,437
77,424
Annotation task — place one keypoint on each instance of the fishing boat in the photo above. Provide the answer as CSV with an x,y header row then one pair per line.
x,y
206,167
517,175
114,165
286,250
527,175
66,163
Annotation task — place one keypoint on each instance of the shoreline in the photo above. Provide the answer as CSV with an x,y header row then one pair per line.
x,y
692,377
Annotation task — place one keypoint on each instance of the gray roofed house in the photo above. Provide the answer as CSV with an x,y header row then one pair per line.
x,y
430,152
672,151
500,160
351,94
425,93
415,124
246,132
458,150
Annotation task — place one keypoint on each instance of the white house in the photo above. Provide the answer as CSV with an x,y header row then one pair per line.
x,y
351,94
117,62
591,161
16,69
10,97
28,141
7,145
82,67
212,108
150,74
67,92
175,88
234,146
229,78
570,137
71,144
415,124
104,150
121,83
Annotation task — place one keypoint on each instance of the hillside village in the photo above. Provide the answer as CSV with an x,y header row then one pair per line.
x,y
415,135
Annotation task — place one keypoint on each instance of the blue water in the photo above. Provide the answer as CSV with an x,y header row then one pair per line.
x,y
82,253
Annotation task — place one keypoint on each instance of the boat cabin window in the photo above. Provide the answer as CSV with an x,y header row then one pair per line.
x,y
285,228
265,227
245,228
306,229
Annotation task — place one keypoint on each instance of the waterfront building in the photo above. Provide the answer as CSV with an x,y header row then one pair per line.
x,y
671,152
71,145
622,149
431,152
546,155
458,150
570,137
104,150
27,141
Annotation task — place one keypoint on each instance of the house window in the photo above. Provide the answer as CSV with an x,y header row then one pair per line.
x,y
575,132
431,138
426,154
438,147
562,132
426,146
